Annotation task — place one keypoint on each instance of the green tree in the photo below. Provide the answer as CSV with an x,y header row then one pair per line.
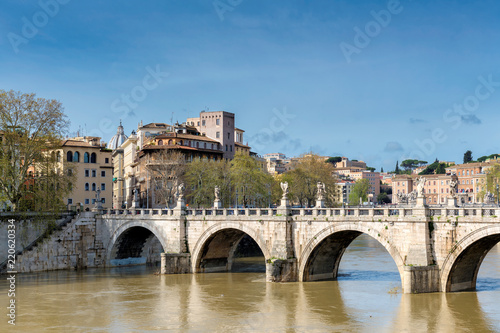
x,y
370,169
383,198
492,180
304,176
251,185
202,175
48,185
468,156
166,169
334,160
359,190
30,127
396,171
382,169
441,169
411,164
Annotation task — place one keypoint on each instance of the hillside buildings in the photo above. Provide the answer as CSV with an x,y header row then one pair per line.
x,y
212,135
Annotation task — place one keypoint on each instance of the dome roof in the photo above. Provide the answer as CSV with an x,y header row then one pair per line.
x,y
119,138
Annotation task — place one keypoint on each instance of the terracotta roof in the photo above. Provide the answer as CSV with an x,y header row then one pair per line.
x,y
161,147
155,125
186,136
241,145
75,143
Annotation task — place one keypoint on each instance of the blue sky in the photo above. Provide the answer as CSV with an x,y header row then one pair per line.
x,y
419,82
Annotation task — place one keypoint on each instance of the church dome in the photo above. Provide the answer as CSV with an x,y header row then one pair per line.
x,y
119,138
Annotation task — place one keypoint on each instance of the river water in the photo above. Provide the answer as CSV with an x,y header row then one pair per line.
x,y
366,298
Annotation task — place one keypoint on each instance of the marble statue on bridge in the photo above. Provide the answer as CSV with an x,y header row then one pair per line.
x,y
489,198
217,192
321,191
284,188
453,188
420,186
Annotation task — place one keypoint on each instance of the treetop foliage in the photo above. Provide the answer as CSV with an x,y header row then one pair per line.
x,y
30,127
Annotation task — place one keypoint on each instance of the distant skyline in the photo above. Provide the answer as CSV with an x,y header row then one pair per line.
x,y
377,81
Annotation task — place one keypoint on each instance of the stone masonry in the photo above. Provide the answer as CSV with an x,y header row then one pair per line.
x,y
434,248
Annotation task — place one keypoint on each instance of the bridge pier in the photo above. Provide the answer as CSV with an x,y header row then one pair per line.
x,y
175,263
281,270
420,279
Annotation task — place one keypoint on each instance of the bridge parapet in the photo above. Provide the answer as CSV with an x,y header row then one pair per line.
x,y
357,211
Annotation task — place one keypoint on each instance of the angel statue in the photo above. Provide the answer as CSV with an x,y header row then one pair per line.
x,y
420,186
180,191
284,188
321,190
217,191
453,188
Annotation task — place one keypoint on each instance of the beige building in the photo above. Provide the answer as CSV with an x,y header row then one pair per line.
x,y
344,189
124,173
91,161
471,178
436,187
346,163
220,126
373,179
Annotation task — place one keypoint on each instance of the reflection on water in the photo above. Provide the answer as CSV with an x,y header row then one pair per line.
x,y
363,299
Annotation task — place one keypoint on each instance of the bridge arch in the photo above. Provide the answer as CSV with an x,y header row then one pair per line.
x,y
321,256
139,232
215,247
461,267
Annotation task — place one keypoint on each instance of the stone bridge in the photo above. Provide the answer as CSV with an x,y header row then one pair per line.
x,y
435,248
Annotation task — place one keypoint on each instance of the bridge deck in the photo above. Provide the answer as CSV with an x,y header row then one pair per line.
x,y
387,211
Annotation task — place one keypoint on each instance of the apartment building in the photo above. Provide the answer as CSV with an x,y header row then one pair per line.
x,y
91,161
373,179
436,187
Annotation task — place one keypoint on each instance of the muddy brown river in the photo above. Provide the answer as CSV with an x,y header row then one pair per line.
x,y
366,298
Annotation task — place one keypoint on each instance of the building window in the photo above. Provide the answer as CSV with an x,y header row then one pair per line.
x,y
69,156
106,160
93,201
93,158
217,135
203,123
226,147
94,173
217,122
230,147
103,200
86,186
87,201
228,135
70,201
87,173
76,157
94,187
86,158
103,173
103,187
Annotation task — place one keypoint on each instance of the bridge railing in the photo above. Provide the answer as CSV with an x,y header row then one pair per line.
x,y
392,210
